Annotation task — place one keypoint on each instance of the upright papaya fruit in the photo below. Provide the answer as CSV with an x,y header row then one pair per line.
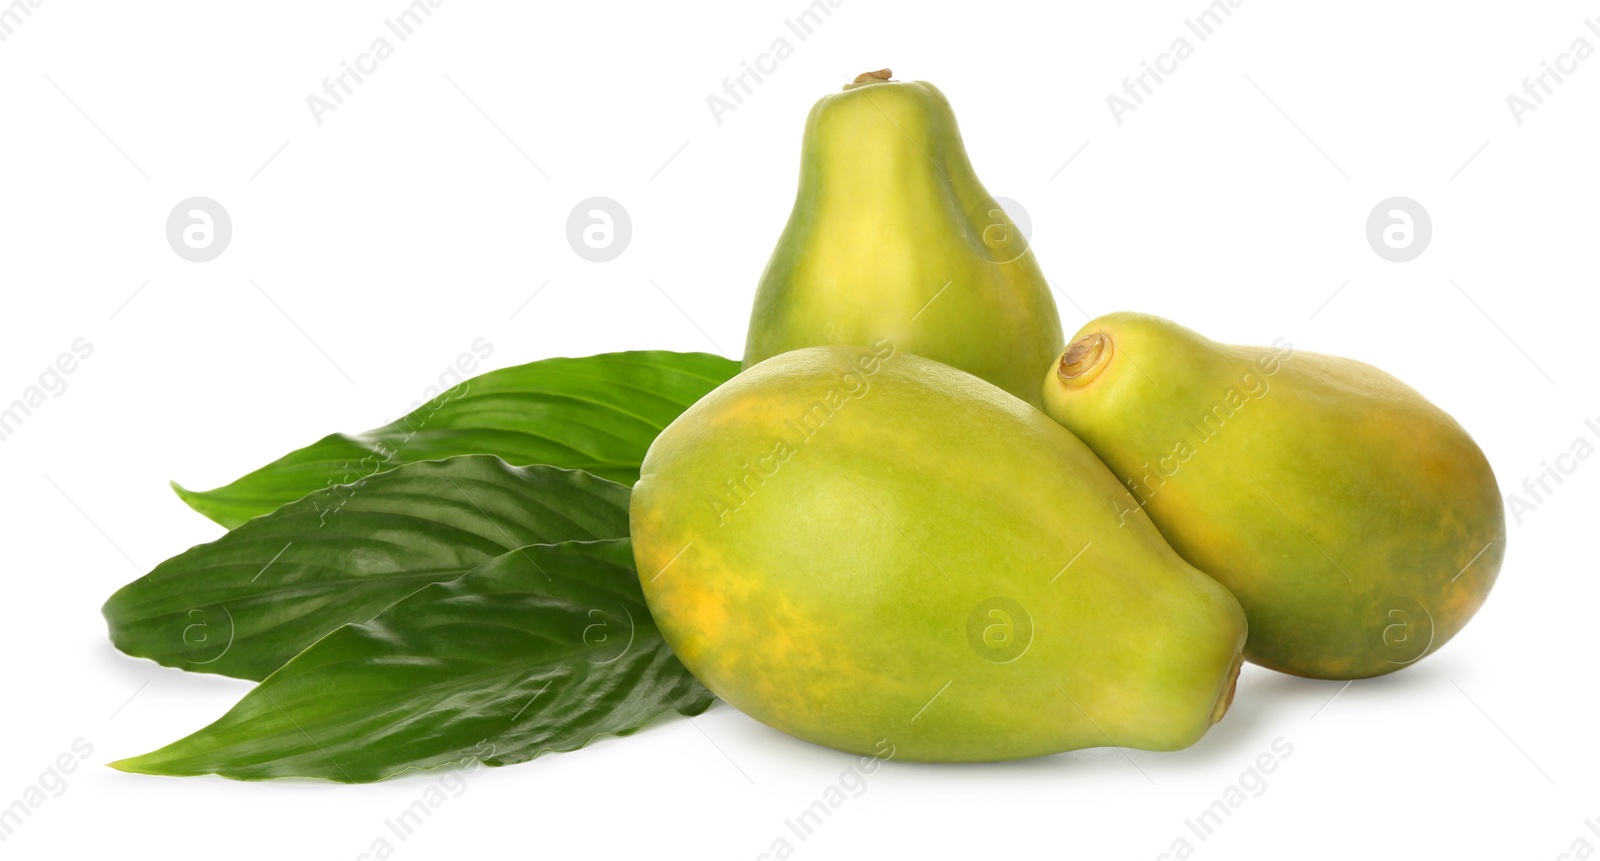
x,y
892,236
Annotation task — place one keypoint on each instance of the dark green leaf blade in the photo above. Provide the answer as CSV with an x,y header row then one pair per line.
x,y
540,649
251,600
597,414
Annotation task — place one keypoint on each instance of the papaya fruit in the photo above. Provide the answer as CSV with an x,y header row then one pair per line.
x,y
879,553
1359,525
892,236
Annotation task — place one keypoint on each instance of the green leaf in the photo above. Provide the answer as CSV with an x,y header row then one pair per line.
x,y
540,649
251,600
598,414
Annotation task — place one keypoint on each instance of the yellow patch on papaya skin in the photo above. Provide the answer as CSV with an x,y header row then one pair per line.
x,y
700,615
784,661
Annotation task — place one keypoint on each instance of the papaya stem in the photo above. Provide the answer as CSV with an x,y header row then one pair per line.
x,y
1084,359
869,78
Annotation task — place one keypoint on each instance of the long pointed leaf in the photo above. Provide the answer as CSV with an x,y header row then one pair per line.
x,y
540,649
598,414
251,600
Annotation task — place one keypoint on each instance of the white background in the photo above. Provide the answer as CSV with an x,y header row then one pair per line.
x,y
427,210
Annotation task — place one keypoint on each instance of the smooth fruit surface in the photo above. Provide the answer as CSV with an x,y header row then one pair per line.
x,y
1358,524
892,236
877,552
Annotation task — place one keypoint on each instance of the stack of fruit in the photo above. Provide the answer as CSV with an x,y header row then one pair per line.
x,y
919,523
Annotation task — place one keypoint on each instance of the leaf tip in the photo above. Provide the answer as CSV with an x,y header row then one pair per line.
x,y
204,502
128,765
160,761
195,499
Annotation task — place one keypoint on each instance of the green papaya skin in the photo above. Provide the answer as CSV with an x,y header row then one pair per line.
x,y
879,553
892,236
1359,525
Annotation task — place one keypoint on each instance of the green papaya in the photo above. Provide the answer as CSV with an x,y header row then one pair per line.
x,y
892,236
1359,525
879,553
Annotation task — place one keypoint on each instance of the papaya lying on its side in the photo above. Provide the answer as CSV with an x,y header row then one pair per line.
x,y
874,551
1358,524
